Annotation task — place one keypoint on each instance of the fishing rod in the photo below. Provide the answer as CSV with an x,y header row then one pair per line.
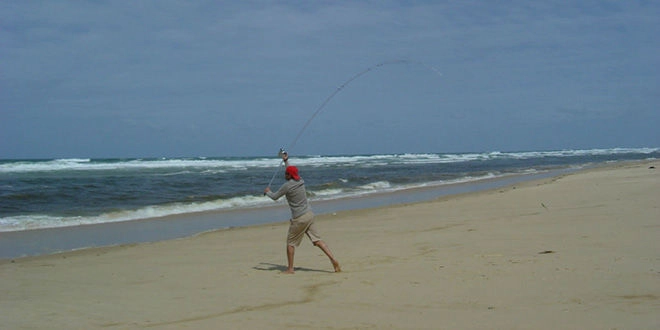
x,y
333,94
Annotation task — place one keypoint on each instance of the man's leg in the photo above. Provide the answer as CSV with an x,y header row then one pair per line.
x,y
290,251
326,250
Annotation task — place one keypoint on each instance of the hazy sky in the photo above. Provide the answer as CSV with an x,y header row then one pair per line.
x,y
241,78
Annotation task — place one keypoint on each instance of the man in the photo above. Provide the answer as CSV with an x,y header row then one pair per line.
x,y
302,217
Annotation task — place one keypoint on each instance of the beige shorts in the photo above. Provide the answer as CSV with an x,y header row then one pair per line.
x,y
300,226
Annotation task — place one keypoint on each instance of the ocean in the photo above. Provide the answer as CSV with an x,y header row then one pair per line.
x,y
37,194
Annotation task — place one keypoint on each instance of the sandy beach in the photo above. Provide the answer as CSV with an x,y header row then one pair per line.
x,y
579,251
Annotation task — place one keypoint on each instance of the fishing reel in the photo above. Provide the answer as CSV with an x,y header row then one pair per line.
x,y
283,154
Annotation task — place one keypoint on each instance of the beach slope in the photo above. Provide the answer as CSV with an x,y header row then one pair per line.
x,y
579,251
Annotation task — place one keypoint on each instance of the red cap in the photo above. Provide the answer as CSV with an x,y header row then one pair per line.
x,y
293,172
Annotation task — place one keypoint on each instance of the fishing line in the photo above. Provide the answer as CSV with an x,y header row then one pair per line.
x,y
333,94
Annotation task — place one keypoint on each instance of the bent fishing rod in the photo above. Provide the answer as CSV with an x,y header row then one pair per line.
x,y
283,151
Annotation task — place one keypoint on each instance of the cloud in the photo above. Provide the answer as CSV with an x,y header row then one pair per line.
x,y
194,72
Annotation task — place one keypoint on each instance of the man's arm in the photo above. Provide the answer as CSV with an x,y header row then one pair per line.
x,y
276,195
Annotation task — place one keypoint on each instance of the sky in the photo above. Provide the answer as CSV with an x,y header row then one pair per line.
x,y
161,78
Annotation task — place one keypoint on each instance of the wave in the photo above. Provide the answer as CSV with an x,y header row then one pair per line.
x,y
26,222
38,221
131,164
221,165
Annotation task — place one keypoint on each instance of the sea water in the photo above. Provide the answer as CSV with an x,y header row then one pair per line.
x,y
48,193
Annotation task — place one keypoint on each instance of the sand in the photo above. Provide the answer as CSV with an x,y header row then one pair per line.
x,y
580,251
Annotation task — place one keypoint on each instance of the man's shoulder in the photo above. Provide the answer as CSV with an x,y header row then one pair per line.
x,y
293,183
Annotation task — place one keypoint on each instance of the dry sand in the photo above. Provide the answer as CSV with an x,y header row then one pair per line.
x,y
580,251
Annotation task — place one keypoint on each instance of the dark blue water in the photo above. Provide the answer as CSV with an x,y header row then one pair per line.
x,y
67,192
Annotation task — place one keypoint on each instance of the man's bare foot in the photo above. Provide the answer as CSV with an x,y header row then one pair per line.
x,y
336,265
288,271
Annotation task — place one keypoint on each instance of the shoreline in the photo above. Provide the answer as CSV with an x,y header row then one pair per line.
x,y
55,240
574,251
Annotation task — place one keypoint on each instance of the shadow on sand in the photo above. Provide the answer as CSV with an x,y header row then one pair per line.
x,y
280,268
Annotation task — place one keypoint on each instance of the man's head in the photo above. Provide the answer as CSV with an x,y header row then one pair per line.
x,y
291,173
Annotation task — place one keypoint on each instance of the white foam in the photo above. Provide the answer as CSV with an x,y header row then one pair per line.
x,y
379,185
222,165
24,222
